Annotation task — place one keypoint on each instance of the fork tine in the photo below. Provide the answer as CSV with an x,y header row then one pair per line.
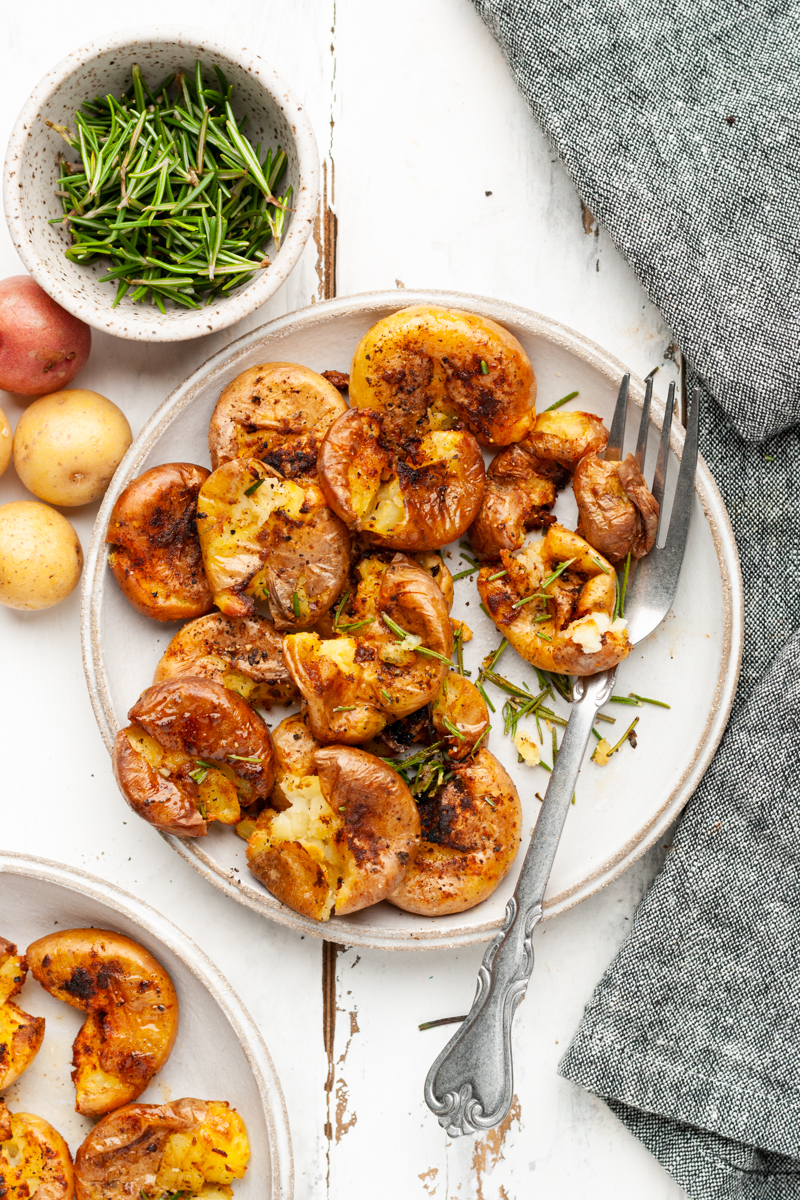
x,y
644,424
660,477
614,447
684,491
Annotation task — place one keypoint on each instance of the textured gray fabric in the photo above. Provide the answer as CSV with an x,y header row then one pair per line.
x,y
679,124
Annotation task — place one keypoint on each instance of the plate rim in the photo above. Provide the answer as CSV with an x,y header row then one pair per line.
x,y
167,933
338,929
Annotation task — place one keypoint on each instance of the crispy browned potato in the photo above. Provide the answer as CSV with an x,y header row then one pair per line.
x,y
346,840
195,753
151,1151
270,539
517,499
564,437
34,1158
571,632
427,368
438,569
131,1007
242,653
355,683
277,412
20,1034
155,552
416,496
460,717
470,837
617,512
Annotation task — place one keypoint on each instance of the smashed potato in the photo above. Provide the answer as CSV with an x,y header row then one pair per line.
x,y
270,539
416,496
20,1034
517,499
617,512
131,1007
555,603
426,368
34,1158
469,838
460,717
369,674
276,412
345,841
155,552
195,753
565,437
151,1151
242,653
437,568
295,747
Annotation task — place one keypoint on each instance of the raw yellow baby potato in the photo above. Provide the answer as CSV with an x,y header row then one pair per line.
x,y
6,441
69,444
40,556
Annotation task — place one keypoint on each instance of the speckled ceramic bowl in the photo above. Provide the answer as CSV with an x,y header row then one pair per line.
x,y
275,118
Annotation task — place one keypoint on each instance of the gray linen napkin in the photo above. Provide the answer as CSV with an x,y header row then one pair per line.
x,y
693,1034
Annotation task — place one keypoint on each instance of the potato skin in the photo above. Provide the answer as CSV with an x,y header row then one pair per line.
x,y
276,412
40,1161
461,705
422,368
21,1035
617,513
242,653
160,802
6,441
466,844
40,556
132,1012
42,346
155,550
517,499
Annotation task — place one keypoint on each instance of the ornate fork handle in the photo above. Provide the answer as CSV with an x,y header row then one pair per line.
x,y
471,1084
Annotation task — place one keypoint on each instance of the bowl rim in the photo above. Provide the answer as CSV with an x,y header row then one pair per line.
x,y
207,973
234,308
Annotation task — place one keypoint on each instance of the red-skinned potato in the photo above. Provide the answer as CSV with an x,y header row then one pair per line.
x,y
150,1151
276,412
517,499
131,1007
355,683
617,512
270,539
427,368
564,437
42,346
345,841
242,653
155,551
469,838
414,497
580,635
195,753
21,1035
34,1158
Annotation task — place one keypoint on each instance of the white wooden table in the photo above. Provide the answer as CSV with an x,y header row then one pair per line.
x,y
435,176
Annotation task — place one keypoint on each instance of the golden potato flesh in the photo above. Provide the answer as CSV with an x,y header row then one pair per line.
x,y
356,683
517,499
242,653
276,412
346,840
427,368
416,496
155,551
469,838
617,512
270,539
460,717
564,437
195,753
151,1151
555,603
34,1159
131,1007
20,1034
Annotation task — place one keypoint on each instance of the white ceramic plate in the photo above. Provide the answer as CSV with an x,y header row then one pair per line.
x,y
691,662
218,1054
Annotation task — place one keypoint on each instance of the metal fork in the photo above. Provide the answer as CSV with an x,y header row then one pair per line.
x,y
471,1084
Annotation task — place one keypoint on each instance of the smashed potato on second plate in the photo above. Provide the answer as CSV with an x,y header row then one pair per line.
x,y
270,539
151,1151
20,1034
346,839
34,1158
